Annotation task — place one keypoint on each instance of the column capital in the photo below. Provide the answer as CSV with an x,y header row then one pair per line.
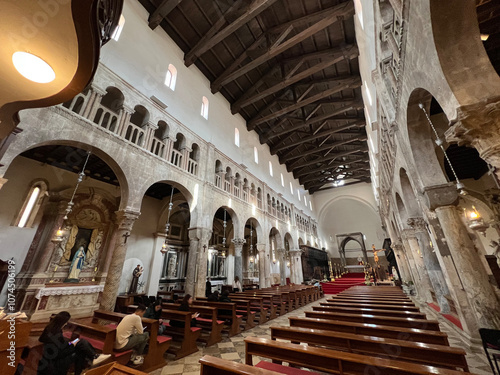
x,y
98,90
295,252
280,252
408,233
238,242
441,195
261,248
397,245
418,224
126,219
127,109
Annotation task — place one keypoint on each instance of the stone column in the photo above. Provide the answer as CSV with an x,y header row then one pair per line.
x,y
472,293
185,157
261,248
296,275
431,262
123,121
474,278
413,249
93,104
148,138
281,258
267,267
238,259
125,221
478,125
403,264
197,261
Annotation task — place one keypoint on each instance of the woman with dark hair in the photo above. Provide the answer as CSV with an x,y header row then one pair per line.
x,y
59,353
186,301
154,312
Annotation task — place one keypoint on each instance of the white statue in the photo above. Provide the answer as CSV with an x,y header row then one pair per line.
x,y
77,264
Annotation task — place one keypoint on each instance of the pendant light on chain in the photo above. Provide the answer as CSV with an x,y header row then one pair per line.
x,y
164,248
224,224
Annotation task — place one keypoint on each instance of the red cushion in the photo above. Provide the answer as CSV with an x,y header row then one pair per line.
x,y
111,325
203,320
162,339
194,329
284,369
239,316
119,354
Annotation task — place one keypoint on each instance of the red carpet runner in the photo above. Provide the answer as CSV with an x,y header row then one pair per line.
x,y
345,282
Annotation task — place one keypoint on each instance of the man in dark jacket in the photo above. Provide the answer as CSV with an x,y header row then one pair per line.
x,y
208,287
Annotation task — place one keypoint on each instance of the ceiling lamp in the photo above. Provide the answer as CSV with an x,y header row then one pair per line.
x,y
164,248
33,68
484,37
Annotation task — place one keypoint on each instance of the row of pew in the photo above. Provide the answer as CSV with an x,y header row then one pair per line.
x,y
363,330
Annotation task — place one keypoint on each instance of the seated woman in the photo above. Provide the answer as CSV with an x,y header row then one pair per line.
x,y
237,285
225,297
154,312
186,301
213,297
59,353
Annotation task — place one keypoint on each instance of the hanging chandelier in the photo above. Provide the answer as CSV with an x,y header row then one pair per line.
x,y
164,248
64,229
224,225
250,250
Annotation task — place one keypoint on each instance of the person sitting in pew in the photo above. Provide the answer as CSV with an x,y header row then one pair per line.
x,y
237,285
186,301
130,335
225,296
213,297
154,312
59,353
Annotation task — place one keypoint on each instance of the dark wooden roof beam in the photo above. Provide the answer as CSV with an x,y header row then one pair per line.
x,y
341,10
328,147
210,40
352,105
332,172
328,166
339,55
282,145
322,159
319,186
161,12
356,82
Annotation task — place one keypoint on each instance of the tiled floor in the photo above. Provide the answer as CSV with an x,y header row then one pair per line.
x,y
234,348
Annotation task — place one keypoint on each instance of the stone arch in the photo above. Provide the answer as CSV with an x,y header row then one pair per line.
x,y
195,152
180,142
234,220
420,137
117,169
288,242
275,237
403,214
218,166
301,241
408,195
140,117
162,131
458,44
113,99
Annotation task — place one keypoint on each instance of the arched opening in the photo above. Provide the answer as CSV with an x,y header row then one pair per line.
x,y
221,248
194,157
250,253
109,108
177,147
276,244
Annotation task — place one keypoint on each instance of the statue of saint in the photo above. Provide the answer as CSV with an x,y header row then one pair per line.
x,y
136,274
172,266
76,264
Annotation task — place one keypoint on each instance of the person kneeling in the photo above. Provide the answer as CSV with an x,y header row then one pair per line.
x,y
130,335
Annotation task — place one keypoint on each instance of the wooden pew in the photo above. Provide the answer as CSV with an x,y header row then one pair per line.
x,y
375,297
225,310
333,361
256,306
371,306
207,321
390,332
275,300
266,301
378,312
158,345
361,301
217,366
184,337
435,355
114,369
431,325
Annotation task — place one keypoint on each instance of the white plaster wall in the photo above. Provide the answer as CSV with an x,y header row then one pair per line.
x,y
345,210
141,57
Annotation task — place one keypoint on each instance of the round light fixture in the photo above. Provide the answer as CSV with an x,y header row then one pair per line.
x,y
33,68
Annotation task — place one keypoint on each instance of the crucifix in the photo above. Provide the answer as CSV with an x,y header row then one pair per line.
x,y
126,236
375,252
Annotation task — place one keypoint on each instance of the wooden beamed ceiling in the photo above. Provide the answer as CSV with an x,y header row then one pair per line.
x,y
290,68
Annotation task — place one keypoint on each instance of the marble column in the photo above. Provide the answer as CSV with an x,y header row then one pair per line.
x,y
431,262
125,221
424,285
238,259
261,248
196,276
267,268
296,275
281,258
474,278
403,263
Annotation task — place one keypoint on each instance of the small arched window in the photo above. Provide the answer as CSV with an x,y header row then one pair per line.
x,y
236,137
310,205
282,180
298,194
271,169
119,28
291,188
256,155
204,107
171,77
32,204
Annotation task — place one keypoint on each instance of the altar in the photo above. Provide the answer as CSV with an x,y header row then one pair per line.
x,y
357,268
80,300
